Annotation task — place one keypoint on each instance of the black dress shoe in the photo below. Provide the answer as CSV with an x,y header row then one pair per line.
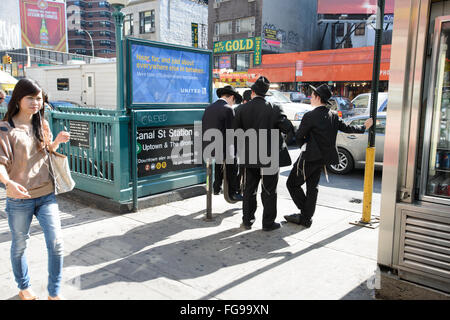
x,y
217,192
306,223
294,218
298,219
237,197
274,226
246,226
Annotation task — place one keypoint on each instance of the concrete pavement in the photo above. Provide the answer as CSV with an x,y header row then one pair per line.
x,y
170,252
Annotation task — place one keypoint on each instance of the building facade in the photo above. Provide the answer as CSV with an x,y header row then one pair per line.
x,y
91,19
10,26
351,24
182,22
271,26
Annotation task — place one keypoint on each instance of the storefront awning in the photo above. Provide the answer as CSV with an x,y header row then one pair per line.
x,y
351,64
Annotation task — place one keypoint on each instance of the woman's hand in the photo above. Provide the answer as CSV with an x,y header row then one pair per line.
x,y
17,191
62,137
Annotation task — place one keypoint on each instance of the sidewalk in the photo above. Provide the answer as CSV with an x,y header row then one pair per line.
x,y
170,252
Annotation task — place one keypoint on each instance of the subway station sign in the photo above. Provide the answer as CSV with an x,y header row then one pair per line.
x,y
249,44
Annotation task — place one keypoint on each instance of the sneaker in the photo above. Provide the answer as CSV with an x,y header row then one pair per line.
x,y
274,226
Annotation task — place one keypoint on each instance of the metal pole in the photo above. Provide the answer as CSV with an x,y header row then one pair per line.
x,y
370,151
134,175
92,42
118,17
209,183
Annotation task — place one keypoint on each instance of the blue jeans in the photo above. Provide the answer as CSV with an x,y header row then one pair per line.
x,y
20,213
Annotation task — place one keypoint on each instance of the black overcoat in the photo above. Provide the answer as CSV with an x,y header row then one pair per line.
x,y
260,114
319,128
218,115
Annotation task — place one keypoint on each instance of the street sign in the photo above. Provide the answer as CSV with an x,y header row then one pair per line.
x,y
299,68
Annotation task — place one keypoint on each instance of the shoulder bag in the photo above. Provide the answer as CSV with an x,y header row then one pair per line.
x,y
59,169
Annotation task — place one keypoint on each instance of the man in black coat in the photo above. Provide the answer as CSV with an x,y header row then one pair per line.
x,y
219,115
256,116
318,129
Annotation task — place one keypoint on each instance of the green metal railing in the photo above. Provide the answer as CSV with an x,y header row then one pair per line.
x,y
102,168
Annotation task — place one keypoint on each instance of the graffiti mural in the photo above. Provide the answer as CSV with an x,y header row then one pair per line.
x,y
276,38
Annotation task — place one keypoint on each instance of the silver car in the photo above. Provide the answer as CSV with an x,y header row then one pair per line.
x,y
352,147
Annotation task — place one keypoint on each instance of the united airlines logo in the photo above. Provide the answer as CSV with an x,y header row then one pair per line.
x,y
191,90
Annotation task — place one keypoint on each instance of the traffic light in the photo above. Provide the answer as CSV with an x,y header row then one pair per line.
x,y
6,59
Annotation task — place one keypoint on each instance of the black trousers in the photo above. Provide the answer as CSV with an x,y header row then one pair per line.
x,y
232,177
306,203
252,176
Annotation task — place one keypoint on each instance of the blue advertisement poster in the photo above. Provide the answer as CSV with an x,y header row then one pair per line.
x,y
162,75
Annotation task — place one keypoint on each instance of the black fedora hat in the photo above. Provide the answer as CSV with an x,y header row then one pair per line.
x,y
261,86
323,91
229,90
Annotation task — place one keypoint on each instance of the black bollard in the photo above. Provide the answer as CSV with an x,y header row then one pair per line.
x,y
209,183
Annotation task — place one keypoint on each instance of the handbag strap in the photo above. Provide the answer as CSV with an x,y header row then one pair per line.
x,y
50,168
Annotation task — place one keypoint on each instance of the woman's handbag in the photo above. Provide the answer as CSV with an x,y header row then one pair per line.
x,y
60,171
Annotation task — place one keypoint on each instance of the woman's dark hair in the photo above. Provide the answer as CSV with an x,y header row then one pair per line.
x,y
25,87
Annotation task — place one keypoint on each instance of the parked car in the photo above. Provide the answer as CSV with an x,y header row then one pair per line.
x,y
296,96
362,102
306,100
343,106
56,104
352,147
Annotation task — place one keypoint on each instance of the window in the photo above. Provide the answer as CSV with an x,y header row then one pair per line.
x,y
224,27
381,126
361,101
103,4
358,122
62,84
128,25
360,29
340,30
245,25
147,21
244,61
104,14
216,29
216,62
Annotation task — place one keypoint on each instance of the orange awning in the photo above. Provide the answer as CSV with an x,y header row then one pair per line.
x,y
351,64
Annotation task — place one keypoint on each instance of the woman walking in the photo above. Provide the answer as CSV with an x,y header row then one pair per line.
x,y
24,170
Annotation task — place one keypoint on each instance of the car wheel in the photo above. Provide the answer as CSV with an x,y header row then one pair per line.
x,y
345,163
